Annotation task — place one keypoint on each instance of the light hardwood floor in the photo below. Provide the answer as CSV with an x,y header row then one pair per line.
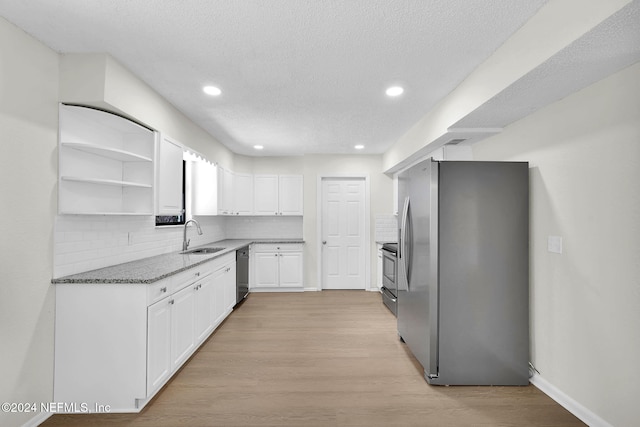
x,y
329,358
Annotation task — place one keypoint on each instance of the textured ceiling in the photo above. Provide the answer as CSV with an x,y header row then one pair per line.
x,y
298,76
610,46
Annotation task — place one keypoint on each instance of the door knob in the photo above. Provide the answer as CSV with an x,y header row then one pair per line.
x,y
324,242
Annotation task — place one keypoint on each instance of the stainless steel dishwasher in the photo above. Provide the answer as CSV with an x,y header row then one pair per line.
x,y
242,274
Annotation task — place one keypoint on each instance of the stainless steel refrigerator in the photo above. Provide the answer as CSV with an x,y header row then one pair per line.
x,y
463,270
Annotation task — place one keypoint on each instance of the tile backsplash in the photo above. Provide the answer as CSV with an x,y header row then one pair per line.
x,y
386,228
264,227
87,242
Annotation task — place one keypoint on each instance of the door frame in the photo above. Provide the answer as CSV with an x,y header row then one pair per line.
x,y
367,225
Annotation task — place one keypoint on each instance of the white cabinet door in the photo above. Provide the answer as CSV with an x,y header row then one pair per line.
x,y
266,270
243,194
169,177
204,310
182,326
222,208
230,287
290,195
290,264
227,194
204,191
158,344
265,190
218,295
225,191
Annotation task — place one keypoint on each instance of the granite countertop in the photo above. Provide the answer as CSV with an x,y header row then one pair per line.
x,y
152,269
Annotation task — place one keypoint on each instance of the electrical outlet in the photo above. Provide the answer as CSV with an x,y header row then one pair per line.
x,y
554,244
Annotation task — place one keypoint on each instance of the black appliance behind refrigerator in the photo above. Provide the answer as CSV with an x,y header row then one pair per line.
x,y
242,274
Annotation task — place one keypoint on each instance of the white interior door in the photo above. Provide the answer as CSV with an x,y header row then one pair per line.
x,y
343,233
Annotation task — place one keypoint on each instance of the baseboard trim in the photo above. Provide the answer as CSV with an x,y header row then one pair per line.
x,y
571,405
38,419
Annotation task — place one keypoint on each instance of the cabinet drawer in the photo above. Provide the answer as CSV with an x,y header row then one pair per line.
x,y
218,262
277,247
159,290
190,276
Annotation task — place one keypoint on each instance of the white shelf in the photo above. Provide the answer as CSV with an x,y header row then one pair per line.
x,y
105,164
111,153
108,213
111,182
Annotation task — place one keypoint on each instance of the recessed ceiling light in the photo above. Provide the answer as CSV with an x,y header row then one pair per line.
x,y
258,147
359,147
394,91
211,90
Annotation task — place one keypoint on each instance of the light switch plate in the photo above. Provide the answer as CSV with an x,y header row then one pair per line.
x,y
554,244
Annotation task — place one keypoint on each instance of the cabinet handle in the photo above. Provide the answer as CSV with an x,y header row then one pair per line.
x,y
197,274
163,290
171,301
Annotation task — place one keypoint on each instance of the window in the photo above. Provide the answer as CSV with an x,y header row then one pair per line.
x,y
162,220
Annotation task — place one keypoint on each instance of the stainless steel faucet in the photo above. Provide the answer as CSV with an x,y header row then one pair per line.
x,y
185,242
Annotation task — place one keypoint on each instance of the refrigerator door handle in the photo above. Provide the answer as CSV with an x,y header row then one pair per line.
x,y
405,236
408,243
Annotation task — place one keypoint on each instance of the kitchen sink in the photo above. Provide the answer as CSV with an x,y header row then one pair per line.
x,y
202,251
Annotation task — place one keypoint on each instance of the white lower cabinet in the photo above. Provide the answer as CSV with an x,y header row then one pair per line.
x,y
118,344
224,292
204,308
183,329
277,267
158,344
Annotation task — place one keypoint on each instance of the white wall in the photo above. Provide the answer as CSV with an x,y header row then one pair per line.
x,y
584,153
99,80
28,175
381,187
312,166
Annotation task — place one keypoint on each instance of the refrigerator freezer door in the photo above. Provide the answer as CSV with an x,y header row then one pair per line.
x,y
418,266
483,273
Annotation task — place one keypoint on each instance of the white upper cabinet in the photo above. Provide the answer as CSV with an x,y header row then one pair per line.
x,y
214,190
290,194
105,164
265,190
225,191
278,195
204,188
243,194
169,177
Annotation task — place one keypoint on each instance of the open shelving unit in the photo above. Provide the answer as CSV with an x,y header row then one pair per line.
x,y
105,163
